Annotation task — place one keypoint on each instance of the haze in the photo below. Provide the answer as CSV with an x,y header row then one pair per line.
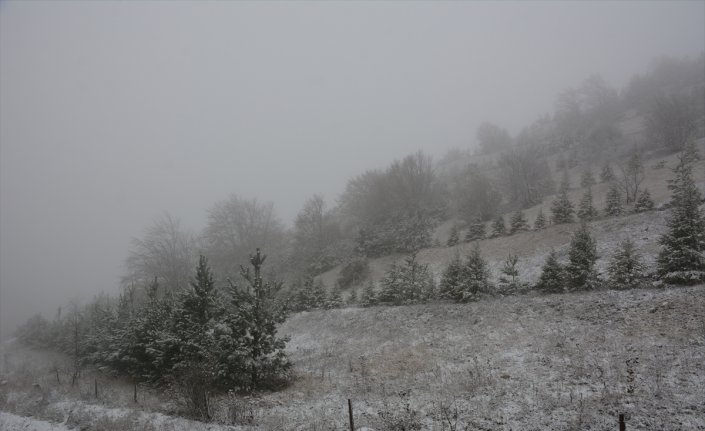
x,y
113,112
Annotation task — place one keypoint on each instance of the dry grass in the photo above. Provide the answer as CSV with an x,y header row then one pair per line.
x,y
528,362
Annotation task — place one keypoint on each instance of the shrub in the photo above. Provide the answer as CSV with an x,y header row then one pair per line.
x,y
353,273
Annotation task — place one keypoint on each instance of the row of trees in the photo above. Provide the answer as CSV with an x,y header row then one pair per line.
x,y
395,209
680,261
199,340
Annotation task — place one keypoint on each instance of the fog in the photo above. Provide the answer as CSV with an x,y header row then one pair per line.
x,y
113,112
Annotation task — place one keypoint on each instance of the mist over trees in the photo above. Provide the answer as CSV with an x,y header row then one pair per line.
x,y
207,333
396,209
236,226
524,176
165,252
492,138
474,195
317,237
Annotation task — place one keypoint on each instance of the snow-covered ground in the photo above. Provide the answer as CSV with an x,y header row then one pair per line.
x,y
555,362
10,422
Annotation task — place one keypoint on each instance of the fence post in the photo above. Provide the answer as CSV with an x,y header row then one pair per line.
x,y
95,386
622,425
352,424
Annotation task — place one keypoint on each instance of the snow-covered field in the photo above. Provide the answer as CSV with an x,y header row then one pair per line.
x,y
556,362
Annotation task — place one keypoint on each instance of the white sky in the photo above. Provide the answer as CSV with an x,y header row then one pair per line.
x,y
111,112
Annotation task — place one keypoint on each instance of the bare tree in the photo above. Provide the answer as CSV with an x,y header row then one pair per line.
x,y
570,117
525,178
598,95
316,232
492,138
414,185
671,121
394,209
406,188
475,196
237,226
632,175
166,252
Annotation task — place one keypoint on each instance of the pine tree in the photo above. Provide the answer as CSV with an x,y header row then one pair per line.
x,y
369,295
318,294
626,269
199,309
587,180
453,279
607,174
409,283
510,267
553,275
334,299
540,222
681,259
508,282
582,257
311,295
476,230
644,202
518,222
498,227
454,237
198,303
562,208
256,309
303,294
613,201
477,276
586,211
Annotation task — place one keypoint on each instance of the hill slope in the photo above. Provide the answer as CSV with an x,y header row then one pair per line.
x,y
550,362
555,362
532,247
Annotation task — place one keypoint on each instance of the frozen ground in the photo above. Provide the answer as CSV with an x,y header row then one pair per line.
x,y
555,362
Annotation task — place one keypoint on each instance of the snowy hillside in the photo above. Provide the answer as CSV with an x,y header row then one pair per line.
x,y
556,362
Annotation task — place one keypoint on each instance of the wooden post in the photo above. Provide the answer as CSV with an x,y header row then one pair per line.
x,y
352,424
135,392
622,425
95,387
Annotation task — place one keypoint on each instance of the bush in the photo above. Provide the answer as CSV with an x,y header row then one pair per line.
x,y
353,273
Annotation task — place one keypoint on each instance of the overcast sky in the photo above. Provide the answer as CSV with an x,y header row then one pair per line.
x,y
112,112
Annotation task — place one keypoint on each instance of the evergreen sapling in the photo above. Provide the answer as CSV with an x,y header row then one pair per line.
x,y
582,257
540,222
681,259
553,277
626,269
518,222
613,201
498,227
586,211
644,202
